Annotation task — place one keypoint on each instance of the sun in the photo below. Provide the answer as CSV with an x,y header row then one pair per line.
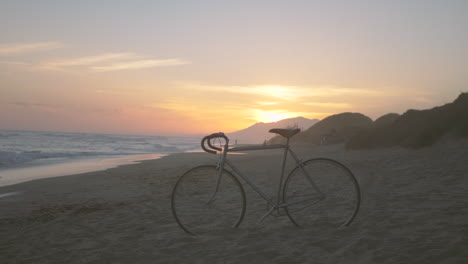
x,y
270,116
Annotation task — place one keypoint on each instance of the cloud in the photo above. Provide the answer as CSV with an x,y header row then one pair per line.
x,y
8,67
285,93
280,92
108,62
266,103
206,107
91,60
31,104
139,64
20,63
274,101
202,108
329,105
35,106
96,63
188,105
12,49
61,108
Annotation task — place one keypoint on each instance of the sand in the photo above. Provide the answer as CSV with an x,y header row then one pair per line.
x,y
414,210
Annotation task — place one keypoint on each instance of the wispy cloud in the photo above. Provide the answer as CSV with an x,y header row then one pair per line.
x,y
35,106
108,62
8,67
19,48
275,93
280,92
20,63
188,105
266,103
328,105
140,64
31,104
91,60
204,107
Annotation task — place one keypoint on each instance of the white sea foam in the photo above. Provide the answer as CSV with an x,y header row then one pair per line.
x,y
18,148
27,155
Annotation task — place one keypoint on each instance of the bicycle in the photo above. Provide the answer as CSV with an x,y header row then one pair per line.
x,y
318,190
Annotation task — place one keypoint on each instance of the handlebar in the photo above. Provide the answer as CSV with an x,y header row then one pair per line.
x,y
208,139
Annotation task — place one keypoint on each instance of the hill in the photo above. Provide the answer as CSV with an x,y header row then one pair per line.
x,y
417,128
258,133
333,129
386,120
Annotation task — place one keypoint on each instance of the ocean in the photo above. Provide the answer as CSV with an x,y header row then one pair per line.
x,y
29,155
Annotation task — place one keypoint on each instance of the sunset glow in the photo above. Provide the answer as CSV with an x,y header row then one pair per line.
x,y
132,131
166,69
267,117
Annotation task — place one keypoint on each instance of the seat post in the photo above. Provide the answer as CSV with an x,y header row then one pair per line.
x,y
286,150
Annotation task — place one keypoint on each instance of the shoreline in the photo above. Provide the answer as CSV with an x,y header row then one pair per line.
x,y
51,168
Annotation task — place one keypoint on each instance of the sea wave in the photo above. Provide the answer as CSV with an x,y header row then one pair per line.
x,y
19,147
9,158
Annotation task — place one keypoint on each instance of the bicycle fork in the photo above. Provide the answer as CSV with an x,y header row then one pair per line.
x,y
220,167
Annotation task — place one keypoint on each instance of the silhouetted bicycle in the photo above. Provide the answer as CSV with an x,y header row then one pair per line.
x,y
316,191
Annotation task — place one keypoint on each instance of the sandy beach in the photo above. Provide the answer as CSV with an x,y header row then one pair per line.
x,y
414,210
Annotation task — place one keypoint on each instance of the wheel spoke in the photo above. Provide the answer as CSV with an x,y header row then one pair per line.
x,y
201,203
332,182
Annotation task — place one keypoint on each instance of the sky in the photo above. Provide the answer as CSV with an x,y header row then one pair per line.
x,y
197,67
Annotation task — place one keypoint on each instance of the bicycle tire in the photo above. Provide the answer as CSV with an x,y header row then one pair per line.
x,y
335,204
193,208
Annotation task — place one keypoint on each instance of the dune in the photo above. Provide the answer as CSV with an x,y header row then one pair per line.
x,y
413,211
418,128
385,120
331,130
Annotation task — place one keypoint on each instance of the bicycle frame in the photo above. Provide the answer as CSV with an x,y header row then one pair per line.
x,y
224,161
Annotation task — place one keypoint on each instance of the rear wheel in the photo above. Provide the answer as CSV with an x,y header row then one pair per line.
x,y
204,200
321,192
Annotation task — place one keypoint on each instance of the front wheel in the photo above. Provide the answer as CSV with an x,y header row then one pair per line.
x,y
205,199
321,192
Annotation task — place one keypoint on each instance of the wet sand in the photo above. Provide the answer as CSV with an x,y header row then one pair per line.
x,y
414,210
53,167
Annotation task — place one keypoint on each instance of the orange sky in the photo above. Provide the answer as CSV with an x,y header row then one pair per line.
x,y
171,68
